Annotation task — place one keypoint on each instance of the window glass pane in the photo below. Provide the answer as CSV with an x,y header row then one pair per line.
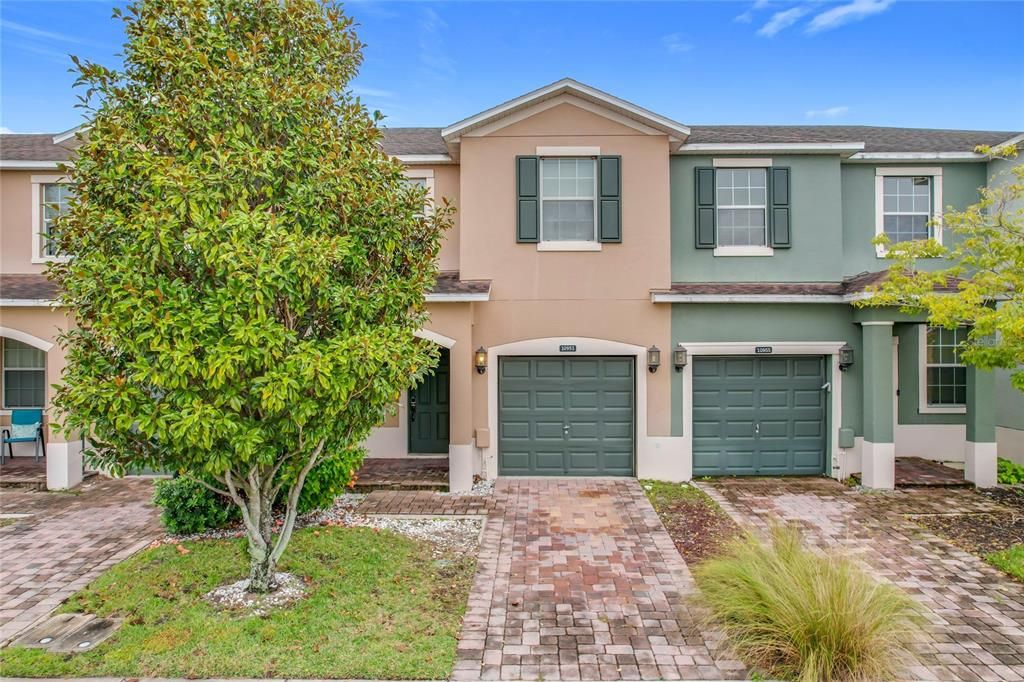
x,y
24,388
22,356
568,220
906,207
946,377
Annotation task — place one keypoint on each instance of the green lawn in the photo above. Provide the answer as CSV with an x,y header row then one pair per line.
x,y
1009,560
379,606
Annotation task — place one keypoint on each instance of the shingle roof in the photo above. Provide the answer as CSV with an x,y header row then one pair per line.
x,y
400,141
875,138
27,287
413,141
31,147
854,284
38,287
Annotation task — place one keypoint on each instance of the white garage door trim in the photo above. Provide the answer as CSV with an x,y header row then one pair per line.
x,y
829,348
549,346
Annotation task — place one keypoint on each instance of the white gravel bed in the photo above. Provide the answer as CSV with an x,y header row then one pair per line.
x,y
236,597
444,533
482,488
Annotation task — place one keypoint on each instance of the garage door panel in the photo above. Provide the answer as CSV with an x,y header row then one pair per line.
x,y
781,395
593,396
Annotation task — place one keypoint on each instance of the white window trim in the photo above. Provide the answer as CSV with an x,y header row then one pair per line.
x,y
744,250
427,175
922,379
935,173
3,374
37,218
567,152
742,163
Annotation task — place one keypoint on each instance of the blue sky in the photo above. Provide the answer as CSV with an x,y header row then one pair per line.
x,y
875,62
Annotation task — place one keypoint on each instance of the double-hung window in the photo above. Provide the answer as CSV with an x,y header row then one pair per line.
x,y
568,199
742,204
24,375
908,205
944,384
52,196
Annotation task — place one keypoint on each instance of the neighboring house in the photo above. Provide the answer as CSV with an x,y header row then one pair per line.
x,y
595,242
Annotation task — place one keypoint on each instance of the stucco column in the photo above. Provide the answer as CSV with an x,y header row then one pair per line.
x,y
980,447
878,456
460,444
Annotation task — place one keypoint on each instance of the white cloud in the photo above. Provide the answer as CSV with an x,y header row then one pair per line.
x,y
4,130
830,112
782,20
675,43
846,14
748,16
363,91
433,57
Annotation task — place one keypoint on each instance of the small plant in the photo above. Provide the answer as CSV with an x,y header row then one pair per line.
x,y
189,507
796,614
1010,473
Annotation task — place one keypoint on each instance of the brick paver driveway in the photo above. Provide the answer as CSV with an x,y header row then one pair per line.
x,y
578,579
975,613
69,539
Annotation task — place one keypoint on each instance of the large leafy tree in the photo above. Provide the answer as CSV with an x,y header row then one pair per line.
x,y
986,273
247,266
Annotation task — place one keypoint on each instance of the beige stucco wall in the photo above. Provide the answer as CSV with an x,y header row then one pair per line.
x,y
446,186
16,222
45,324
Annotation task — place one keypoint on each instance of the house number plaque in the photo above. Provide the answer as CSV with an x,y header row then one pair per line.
x,y
567,348
762,350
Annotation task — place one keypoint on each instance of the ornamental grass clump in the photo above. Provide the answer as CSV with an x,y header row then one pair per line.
x,y
796,614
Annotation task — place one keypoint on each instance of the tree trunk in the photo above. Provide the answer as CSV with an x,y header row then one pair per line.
x,y
262,564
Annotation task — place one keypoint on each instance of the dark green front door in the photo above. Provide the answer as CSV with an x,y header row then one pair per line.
x,y
565,416
428,411
758,415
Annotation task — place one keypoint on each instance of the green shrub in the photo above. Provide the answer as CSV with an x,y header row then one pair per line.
x,y
796,614
189,507
327,480
1010,473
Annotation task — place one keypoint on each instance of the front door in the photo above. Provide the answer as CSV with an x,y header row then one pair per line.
x,y
428,411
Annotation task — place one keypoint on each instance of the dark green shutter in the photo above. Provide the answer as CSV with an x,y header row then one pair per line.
x,y
782,236
610,199
527,198
705,202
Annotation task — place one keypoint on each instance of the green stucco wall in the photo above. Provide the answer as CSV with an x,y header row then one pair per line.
x,y
1009,402
816,254
960,183
741,322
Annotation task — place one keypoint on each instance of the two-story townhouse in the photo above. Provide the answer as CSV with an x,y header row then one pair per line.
x,y
623,294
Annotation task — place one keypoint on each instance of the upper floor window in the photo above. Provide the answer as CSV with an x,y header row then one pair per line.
x,y
424,178
24,375
908,204
568,193
742,206
51,198
907,207
944,377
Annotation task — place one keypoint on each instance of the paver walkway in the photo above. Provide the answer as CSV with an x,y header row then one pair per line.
x,y
975,613
69,539
577,579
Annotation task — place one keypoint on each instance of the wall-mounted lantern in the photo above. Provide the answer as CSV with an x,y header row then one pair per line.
x,y
653,359
679,358
480,360
845,357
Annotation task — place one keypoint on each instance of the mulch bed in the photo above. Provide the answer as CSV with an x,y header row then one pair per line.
x,y
983,534
698,526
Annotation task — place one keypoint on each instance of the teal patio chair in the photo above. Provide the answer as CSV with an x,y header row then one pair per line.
x,y
26,427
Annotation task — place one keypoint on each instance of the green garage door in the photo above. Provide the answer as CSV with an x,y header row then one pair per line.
x,y
758,416
565,416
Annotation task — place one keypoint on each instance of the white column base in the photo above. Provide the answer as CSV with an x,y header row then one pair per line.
x,y
460,467
63,465
980,464
878,465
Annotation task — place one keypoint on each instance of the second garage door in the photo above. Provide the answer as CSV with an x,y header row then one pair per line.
x,y
758,415
565,416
